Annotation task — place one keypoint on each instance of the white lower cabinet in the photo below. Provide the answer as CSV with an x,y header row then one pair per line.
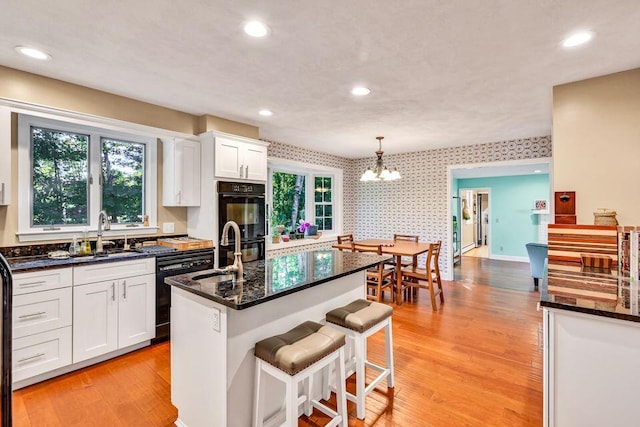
x,y
591,369
40,353
65,316
41,316
111,315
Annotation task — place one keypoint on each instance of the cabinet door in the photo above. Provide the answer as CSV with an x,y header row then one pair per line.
x,y
180,173
188,171
255,162
136,310
5,159
95,319
228,158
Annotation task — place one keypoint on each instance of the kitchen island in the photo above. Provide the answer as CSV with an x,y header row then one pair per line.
x,y
215,325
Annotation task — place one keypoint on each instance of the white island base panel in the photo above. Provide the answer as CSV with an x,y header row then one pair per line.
x,y
592,370
212,362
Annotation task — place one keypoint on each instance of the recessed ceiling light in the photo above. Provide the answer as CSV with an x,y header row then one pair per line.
x,y
537,171
360,91
265,113
577,39
256,29
33,53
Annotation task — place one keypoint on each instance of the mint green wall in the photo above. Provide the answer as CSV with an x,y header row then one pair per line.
x,y
511,201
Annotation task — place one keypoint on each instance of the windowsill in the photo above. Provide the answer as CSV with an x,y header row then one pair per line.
x,y
41,235
301,242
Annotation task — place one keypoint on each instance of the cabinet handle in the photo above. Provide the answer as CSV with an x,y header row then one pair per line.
x,y
38,283
124,292
35,356
246,171
2,194
179,196
113,291
241,166
26,316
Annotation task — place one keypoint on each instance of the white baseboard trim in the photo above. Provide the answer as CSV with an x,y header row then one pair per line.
x,y
509,258
179,423
468,247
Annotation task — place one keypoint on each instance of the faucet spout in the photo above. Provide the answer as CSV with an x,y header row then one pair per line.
x,y
103,224
236,268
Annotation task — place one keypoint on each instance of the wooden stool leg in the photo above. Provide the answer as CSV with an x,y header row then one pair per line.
x,y
341,389
388,343
361,355
291,402
308,386
258,390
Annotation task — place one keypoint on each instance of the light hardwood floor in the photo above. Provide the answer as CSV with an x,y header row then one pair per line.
x,y
475,362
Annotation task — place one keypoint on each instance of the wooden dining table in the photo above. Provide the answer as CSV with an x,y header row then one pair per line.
x,y
397,248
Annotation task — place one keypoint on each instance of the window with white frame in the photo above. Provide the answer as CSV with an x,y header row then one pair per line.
x,y
305,192
69,172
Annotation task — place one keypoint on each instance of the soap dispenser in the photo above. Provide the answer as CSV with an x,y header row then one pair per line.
x,y
74,247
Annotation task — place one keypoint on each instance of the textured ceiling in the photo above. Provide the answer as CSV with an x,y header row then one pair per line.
x,y
442,73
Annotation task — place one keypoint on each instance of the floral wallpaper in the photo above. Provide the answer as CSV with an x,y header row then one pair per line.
x,y
416,204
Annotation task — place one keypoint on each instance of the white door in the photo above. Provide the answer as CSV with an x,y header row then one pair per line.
x,y
136,311
228,157
95,319
255,162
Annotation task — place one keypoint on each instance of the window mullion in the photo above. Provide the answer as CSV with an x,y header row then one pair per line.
x,y
95,187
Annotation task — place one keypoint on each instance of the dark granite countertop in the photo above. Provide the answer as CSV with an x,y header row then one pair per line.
x,y
275,278
619,310
43,262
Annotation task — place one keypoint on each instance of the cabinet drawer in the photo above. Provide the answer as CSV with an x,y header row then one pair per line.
x,y
113,270
41,311
40,353
36,281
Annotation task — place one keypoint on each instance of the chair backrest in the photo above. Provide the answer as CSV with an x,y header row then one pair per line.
x,y
407,237
538,253
433,256
345,238
363,247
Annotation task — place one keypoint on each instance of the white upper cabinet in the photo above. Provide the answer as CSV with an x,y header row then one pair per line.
x,y
5,159
180,172
240,159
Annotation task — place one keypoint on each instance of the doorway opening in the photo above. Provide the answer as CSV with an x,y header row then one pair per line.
x,y
474,229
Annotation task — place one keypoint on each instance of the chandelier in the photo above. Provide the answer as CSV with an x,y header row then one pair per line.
x,y
380,172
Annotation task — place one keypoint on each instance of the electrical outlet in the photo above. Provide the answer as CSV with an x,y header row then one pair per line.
x,y
215,319
168,227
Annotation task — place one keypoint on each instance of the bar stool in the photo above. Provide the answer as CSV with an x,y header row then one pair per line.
x,y
359,320
293,357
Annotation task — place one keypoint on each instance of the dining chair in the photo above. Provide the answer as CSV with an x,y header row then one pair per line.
x,y
345,238
379,278
428,277
408,238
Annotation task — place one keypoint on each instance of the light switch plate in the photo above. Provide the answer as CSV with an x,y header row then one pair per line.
x,y
215,319
168,227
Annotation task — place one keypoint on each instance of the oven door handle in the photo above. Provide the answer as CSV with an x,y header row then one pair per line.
x,y
242,196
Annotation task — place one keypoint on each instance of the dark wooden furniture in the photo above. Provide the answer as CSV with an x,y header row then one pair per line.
x,y
428,277
565,207
378,278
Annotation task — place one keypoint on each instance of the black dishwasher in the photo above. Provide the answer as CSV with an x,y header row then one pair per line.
x,y
172,264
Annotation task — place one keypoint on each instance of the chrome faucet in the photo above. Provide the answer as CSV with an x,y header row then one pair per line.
x,y
103,224
236,268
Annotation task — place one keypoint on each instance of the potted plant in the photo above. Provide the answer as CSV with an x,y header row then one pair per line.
x,y
302,228
275,235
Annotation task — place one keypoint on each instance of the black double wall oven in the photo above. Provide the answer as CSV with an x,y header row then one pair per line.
x,y
243,203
